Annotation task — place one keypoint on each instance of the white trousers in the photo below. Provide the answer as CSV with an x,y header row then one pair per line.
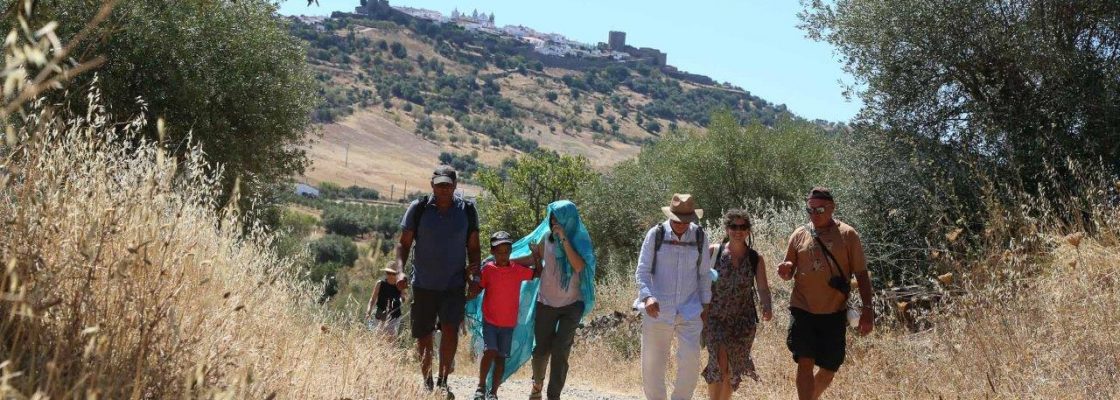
x,y
657,337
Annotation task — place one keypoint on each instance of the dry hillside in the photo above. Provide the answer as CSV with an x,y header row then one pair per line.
x,y
376,134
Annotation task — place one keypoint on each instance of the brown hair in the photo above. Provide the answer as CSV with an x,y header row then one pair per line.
x,y
733,214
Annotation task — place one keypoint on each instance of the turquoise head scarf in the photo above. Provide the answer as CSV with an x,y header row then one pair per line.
x,y
523,334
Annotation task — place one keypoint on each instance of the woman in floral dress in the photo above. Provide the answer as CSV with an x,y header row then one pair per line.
x,y
732,316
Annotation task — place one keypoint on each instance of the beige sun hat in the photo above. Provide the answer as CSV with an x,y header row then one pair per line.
x,y
682,208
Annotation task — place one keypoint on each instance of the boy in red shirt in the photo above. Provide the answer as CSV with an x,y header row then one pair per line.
x,y
501,279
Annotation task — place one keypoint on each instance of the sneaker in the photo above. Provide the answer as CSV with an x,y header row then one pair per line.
x,y
480,394
428,385
492,396
441,382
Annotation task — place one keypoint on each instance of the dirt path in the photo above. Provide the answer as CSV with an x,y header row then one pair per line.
x,y
518,389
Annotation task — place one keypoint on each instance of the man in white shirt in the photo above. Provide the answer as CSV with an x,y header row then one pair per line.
x,y
674,289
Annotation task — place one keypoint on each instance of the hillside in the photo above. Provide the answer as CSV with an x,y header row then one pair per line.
x,y
398,91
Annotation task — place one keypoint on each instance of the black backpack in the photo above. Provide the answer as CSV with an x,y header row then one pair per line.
x,y
422,205
659,239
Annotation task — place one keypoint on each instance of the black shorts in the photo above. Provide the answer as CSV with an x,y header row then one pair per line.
x,y
821,337
427,304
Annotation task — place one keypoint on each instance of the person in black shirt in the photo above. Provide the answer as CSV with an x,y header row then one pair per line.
x,y
384,309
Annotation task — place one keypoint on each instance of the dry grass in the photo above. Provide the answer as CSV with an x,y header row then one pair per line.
x,y
124,280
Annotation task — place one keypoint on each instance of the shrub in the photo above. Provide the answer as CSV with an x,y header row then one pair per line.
x,y
364,193
334,249
516,197
330,190
398,50
727,167
221,74
319,271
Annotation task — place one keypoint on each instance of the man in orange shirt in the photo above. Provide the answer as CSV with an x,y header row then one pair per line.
x,y
821,258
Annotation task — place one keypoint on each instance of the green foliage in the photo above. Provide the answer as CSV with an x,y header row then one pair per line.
x,y
425,126
672,102
501,132
363,193
397,50
516,203
726,167
967,104
350,219
413,196
335,249
325,270
465,164
227,75
340,222
298,224
293,228
551,96
999,79
331,190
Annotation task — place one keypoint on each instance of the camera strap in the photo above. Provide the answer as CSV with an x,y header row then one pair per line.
x,y
826,252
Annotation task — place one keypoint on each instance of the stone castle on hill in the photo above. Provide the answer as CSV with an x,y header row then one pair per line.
x,y
551,49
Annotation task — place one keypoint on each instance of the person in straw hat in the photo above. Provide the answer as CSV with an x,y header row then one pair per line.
x,y
674,290
384,309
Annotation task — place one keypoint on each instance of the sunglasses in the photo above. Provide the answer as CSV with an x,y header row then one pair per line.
x,y
816,210
738,227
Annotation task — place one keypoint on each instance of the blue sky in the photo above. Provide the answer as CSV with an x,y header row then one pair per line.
x,y
754,44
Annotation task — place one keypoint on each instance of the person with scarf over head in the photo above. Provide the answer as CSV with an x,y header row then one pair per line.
x,y
552,306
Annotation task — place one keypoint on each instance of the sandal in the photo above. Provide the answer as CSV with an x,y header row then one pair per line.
x,y
536,393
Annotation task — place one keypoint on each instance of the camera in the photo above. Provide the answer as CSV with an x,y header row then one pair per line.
x,y
841,284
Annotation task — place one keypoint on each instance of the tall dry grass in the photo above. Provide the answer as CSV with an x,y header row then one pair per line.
x,y
124,279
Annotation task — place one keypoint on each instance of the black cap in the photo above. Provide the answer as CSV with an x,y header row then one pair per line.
x,y
821,193
500,237
444,174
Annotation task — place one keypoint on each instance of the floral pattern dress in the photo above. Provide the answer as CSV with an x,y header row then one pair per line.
x,y
732,319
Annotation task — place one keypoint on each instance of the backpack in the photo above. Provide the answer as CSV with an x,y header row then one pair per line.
x,y
422,205
659,239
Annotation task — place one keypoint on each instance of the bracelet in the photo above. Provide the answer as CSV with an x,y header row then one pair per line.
x,y
866,307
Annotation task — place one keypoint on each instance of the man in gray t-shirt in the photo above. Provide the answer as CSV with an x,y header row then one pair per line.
x,y
444,230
